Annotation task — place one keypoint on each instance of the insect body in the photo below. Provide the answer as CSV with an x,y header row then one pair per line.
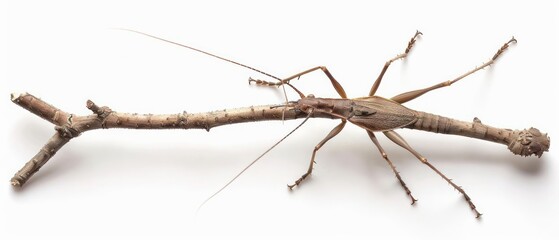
x,y
372,113
377,114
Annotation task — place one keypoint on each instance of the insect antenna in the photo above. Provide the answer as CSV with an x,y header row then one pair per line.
x,y
255,160
215,56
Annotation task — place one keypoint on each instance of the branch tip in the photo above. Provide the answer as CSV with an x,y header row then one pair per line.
x,y
14,96
15,183
92,106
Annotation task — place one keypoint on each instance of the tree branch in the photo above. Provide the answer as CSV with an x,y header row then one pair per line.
x,y
69,126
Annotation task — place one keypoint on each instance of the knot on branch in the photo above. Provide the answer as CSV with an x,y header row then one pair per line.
x,y
102,112
67,131
528,142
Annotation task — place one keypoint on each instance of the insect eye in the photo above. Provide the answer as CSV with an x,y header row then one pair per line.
x,y
310,96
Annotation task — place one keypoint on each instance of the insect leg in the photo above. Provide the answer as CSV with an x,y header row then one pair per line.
x,y
330,135
335,83
396,138
399,56
385,156
407,96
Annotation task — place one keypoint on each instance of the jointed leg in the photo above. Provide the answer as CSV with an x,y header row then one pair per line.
x,y
407,96
335,83
385,156
330,135
396,138
399,56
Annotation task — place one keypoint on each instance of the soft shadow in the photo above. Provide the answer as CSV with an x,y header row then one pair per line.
x,y
465,153
210,160
31,131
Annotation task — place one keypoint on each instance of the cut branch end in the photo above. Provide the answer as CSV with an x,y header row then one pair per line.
x,y
15,183
92,106
14,96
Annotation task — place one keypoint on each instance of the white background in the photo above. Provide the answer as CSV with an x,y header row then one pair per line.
x,y
146,183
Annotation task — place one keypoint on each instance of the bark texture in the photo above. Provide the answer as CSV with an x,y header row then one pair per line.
x,y
68,126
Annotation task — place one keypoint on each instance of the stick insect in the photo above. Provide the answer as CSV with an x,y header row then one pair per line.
x,y
372,113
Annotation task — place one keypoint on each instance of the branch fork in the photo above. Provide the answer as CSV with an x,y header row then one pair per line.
x,y
68,126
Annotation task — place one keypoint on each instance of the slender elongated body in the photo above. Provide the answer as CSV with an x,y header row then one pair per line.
x,y
372,113
381,114
361,111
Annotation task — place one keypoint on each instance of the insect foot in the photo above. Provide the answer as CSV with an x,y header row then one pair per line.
x,y
259,82
298,181
528,142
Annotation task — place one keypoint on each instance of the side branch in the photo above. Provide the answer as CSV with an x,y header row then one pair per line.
x,y
40,108
56,142
68,125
